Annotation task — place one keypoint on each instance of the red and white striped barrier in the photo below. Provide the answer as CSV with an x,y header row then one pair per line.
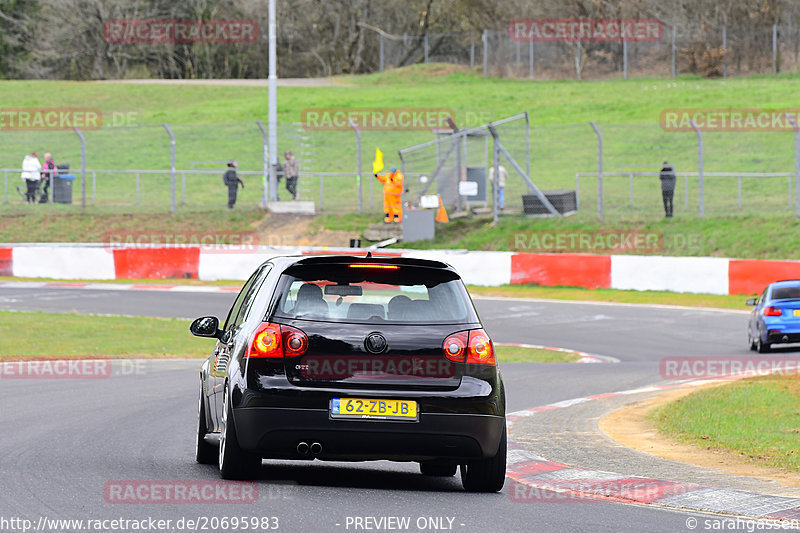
x,y
710,275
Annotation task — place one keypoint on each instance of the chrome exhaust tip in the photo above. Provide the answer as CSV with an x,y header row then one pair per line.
x,y
302,448
316,448
785,338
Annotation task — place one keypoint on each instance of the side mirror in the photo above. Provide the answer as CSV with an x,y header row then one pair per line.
x,y
207,326
751,301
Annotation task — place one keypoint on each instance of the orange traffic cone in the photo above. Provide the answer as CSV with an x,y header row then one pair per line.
x,y
441,214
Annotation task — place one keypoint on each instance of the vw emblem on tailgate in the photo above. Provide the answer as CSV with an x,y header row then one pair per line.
x,y
375,343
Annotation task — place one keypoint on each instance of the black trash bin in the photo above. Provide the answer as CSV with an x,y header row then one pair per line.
x,y
62,188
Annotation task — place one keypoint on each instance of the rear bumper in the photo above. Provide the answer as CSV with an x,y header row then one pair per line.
x,y
275,433
783,337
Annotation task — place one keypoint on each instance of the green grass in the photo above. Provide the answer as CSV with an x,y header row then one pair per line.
x,y
758,418
519,354
215,123
34,334
612,295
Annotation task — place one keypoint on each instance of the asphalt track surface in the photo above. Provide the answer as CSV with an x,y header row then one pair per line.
x,y
65,440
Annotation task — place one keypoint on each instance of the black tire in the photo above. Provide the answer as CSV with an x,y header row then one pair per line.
x,y
486,475
234,463
762,347
751,341
438,468
204,453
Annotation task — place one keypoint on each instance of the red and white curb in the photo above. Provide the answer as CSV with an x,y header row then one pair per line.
x,y
585,357
537,480
115,286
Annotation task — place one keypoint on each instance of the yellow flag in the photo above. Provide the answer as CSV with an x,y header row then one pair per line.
x,y
377,165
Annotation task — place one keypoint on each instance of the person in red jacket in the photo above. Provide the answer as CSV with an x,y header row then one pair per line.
x,y
392,195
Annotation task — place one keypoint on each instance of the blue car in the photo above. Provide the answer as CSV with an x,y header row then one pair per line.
x,y
776,317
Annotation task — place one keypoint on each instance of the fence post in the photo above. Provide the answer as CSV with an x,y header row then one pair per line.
x,y
527,144
686,190
382,63
774,48
94,188
485,39
83,167
425,46
578,54
183,188
358,166
321,191
578,191
471,54
725,52
625,57
5,179
630,186
599,170
794,124
265,161
496,180
740,192
171,166
700,197
531,63
674,55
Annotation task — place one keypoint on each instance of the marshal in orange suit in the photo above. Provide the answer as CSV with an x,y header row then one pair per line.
x,y
392,195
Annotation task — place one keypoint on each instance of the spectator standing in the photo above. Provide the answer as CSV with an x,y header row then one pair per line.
x,y
49,169
32,174
232,181
501,183
291,170
667,177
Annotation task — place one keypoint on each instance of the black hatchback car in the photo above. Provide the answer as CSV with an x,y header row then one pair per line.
x,y
353,358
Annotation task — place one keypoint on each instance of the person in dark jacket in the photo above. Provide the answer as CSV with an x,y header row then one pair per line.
x,y
49,171
667,177
232,181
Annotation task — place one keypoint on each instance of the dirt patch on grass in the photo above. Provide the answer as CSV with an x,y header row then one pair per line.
x,y
631,427
297,230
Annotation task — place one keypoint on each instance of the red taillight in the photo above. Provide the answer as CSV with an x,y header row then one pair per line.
x,y
473,347
480,350
295,341
455,346
772,311
274,340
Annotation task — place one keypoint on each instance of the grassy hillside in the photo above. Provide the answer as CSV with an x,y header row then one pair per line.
x,y
215,123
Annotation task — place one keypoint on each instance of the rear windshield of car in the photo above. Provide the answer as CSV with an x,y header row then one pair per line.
x,y
786,293
342,293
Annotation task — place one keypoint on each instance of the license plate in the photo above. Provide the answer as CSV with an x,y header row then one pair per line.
x,y
797,312
372,409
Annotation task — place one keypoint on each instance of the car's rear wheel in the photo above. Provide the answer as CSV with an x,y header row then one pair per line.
x,y
204,453
486,475
234,463
762,347
438,468
751,341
